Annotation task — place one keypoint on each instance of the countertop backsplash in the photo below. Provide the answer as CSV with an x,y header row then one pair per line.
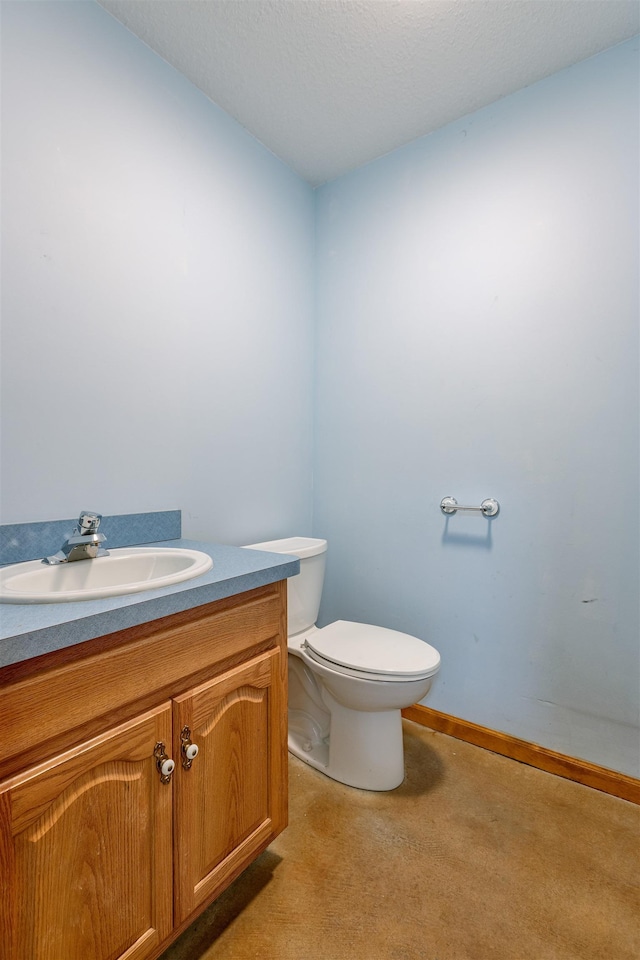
x,y
30,541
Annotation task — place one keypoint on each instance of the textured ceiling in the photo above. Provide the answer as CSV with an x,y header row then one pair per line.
x,y
328,85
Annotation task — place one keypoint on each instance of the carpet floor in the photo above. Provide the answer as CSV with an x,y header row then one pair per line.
x,y
474,857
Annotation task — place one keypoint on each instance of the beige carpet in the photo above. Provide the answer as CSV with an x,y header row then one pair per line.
x,y
474,857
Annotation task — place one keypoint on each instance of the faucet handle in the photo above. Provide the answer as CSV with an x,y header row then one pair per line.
x,y
89,522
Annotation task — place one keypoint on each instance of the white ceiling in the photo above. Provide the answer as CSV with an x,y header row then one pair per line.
x,y
328,85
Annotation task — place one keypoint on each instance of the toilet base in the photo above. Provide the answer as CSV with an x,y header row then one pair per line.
x,y
362,749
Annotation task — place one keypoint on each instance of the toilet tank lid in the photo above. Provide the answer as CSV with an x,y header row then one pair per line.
x,y
372,649
296,546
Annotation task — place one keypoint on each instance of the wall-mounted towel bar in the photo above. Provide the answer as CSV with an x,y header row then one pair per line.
x,y
489,508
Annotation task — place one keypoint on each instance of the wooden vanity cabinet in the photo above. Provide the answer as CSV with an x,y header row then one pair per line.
x,y
99,859
224,802
87,853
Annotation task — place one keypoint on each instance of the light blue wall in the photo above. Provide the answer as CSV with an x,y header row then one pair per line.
x,y
478,337
157,295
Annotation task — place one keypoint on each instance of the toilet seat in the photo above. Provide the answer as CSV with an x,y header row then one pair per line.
x,y
372,653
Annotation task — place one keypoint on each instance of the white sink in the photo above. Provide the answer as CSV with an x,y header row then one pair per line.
x,y
126,570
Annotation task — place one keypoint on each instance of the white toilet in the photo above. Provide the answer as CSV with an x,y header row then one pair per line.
x,y
348,681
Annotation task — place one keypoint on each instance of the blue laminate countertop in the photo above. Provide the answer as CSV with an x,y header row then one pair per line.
x,y
31,629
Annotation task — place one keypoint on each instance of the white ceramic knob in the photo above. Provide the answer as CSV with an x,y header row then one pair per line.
x,y
167,768
192,751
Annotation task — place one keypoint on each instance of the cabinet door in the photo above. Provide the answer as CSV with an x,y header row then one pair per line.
x,y
86,850
232,801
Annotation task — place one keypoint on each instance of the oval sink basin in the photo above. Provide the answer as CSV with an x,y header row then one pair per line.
x,y
125,570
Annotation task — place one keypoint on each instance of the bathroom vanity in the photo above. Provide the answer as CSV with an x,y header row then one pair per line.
x,y
106,852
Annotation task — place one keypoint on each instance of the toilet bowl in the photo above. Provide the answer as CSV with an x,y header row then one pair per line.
x,y
348,681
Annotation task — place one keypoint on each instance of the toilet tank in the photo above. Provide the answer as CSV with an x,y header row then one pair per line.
x,y
305,589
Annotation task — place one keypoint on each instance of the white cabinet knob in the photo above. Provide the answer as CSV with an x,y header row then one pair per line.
x,y
167,767
188,749
165,764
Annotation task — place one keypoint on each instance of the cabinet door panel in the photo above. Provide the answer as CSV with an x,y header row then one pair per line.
x,y
87,843
224,802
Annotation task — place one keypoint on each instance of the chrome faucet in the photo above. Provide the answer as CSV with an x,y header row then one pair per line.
x,y
84,544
